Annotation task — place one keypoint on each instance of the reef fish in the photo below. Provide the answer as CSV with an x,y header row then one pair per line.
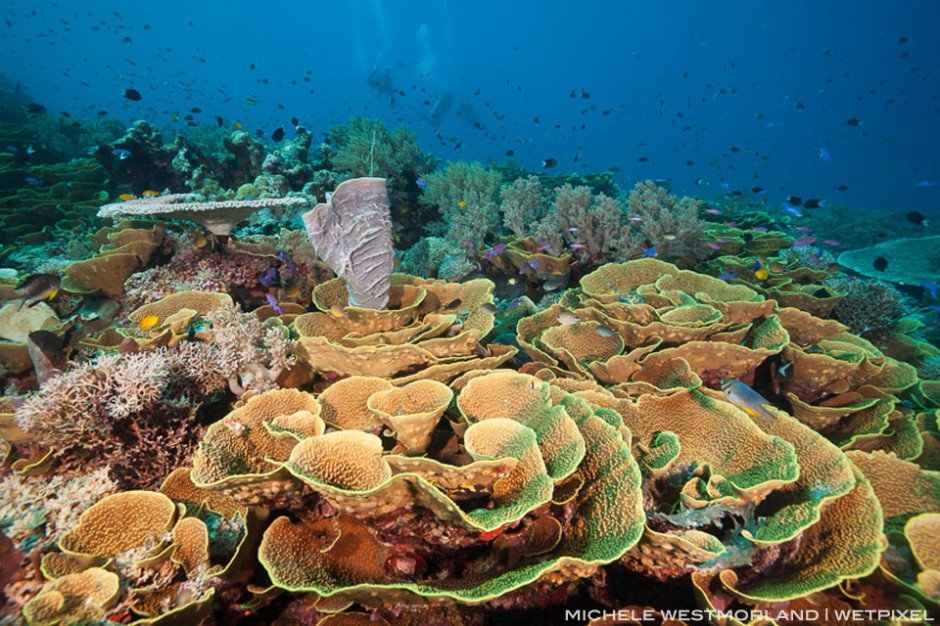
x,y
38,288
745,398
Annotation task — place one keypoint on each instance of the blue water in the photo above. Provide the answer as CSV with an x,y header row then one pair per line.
x,y
716,96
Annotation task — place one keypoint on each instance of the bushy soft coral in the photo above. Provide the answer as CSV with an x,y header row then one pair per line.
x,y
595,228
466,195
869,305
523,203
365,147
134,412
670,224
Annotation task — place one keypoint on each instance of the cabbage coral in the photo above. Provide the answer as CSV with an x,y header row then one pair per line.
x,y
547,491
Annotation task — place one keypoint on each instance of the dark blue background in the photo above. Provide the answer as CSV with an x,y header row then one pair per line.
x,y
735,71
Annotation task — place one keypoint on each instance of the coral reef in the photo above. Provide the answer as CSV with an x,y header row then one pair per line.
x,y
263,424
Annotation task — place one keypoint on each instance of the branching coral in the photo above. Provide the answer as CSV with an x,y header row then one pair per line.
x,y
133,412
250,353
869,306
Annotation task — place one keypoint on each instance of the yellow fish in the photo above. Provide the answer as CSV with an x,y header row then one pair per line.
x,y
127,197
150,193
200,240
148,322
237,126
761,274
337,310
462,204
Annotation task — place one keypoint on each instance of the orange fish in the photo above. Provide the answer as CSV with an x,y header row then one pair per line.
x,y
237,126
127,197
150,193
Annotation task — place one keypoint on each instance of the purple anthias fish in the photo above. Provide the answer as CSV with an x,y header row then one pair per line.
x,y
727,276
290,267
274,305
422,184
269,277
495,251
802,242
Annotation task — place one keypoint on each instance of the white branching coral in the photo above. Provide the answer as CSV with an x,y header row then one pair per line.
x,y
133,412
253,353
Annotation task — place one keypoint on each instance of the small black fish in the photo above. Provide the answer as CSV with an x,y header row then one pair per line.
x,y
219,120
643,159
880,264
133,94
917,218
853,121
277,135
510,153
757,189
35,110
812,203
548,163
586,95
795,201
196,110
841,187
294,121
800,106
